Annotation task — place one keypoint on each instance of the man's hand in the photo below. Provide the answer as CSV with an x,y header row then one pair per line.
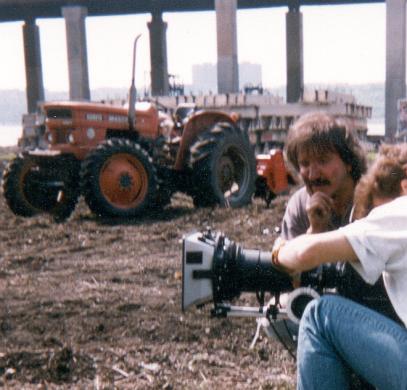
x,y
319,210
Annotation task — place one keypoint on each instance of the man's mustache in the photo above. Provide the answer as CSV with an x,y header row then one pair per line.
x,y
318,182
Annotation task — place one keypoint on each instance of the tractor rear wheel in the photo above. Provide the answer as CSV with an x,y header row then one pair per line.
x,y
32,186
118,179
223,167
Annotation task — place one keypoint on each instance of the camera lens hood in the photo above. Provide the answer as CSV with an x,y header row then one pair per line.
x,y
298,300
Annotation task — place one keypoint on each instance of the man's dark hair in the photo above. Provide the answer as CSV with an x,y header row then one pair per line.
x,y
318,133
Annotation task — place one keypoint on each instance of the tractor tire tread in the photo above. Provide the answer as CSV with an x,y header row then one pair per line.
x,y
13,191
204,155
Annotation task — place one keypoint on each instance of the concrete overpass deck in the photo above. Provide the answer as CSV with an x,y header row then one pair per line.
x,y
14,10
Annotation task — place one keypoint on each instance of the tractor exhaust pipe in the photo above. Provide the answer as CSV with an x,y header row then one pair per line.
x,y
132,91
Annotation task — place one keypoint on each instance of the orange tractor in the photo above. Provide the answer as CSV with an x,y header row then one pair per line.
x,y
124,161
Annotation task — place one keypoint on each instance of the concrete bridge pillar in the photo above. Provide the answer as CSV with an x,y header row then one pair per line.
x,y
33,66
395,62
295,62
158,55
77,52
226,29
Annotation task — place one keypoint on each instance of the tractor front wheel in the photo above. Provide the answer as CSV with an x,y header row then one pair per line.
x,y
118,179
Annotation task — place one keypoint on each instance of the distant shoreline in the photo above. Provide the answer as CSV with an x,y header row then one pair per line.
x,y
13,101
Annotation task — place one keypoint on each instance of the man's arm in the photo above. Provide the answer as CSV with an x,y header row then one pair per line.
x,y
310,250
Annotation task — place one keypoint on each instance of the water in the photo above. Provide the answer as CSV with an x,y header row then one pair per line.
x,y
9,134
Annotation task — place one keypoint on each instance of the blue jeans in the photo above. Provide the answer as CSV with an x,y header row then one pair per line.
x,y
338,336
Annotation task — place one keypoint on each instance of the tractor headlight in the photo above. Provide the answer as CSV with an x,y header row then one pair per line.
x,y
71,138
50,138
90,133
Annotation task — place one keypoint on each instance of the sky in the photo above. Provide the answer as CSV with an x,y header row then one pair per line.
x,y
342,44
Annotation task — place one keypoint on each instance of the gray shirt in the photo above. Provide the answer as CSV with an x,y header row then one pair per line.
x,y
295,220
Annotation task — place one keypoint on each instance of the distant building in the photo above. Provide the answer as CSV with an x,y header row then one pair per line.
x,y
204,77
249,74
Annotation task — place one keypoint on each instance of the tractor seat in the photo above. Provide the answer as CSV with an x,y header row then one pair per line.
x,y
183,111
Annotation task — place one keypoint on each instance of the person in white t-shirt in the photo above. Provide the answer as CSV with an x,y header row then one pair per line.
x,y
337,336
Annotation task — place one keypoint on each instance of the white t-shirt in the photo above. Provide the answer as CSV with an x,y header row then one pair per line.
x,y
380,242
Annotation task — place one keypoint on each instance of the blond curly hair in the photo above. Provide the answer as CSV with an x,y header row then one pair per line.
x,y
383,179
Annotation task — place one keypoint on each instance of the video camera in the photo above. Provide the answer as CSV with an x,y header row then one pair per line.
x,y
216,269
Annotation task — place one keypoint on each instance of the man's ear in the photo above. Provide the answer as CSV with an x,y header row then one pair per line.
x,y
404,186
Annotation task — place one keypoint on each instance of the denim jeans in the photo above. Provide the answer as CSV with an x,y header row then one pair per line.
x,y
338,336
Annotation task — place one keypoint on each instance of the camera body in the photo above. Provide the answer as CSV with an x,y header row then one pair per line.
x,y
197,259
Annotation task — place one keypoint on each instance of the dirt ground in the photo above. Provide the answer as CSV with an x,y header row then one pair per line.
x,y
96,304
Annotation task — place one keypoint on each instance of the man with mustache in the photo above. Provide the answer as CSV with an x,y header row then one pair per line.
x,y
339,338
330,161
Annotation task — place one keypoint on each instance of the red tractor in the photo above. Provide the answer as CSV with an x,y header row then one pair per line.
x,y
121,170
125,161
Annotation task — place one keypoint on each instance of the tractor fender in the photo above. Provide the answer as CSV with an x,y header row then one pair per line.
x,y
197,124
272,168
